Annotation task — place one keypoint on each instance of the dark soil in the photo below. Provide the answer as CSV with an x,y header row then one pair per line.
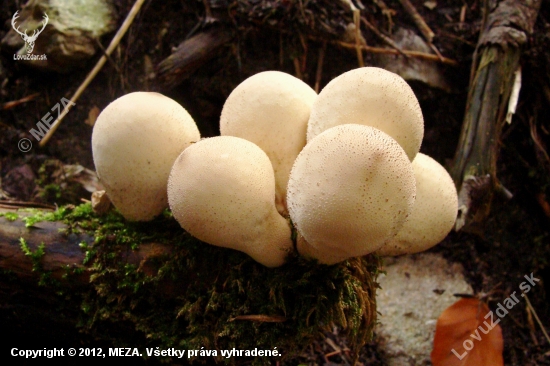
x,y
515,240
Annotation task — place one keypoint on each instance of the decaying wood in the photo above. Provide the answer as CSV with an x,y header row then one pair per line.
x,y
495,62
61,251
191,54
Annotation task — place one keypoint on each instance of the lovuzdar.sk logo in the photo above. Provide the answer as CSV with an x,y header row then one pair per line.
x,y
29,39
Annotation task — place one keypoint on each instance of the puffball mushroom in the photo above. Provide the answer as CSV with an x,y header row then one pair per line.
x,y
374,97
271,109
350,190
434,211
135,141
222,191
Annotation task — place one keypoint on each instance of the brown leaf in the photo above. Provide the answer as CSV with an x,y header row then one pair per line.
x,y
93,113
466,334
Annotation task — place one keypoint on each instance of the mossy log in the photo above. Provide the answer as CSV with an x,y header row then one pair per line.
x,y
175,291
495,63
61,250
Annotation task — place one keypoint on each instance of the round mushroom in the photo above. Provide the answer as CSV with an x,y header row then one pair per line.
x,y
271,109
434,211
135,141
222,191
350,190
374,97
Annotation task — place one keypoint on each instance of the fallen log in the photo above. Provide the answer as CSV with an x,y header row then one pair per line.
x,y
496,61
114,280
60,250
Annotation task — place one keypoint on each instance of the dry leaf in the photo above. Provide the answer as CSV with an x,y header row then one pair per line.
x,y
93,113
467,333
430,4
101,203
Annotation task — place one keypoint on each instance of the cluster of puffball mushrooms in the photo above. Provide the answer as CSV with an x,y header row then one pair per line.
x,y
342,166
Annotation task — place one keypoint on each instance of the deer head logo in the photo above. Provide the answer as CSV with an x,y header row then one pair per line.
x,y
29,40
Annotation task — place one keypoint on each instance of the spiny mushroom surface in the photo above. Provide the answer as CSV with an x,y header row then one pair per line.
x,y
271,109
374,97
434,211
350,190
135,141
222,191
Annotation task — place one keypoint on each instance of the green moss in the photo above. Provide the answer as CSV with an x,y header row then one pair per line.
x,y
35,256
10,216
45,278
51,193
197,295
35,216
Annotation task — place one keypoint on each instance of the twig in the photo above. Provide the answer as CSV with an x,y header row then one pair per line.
x,y
208,12
357,22
387,12
390,42
539,147
537,318
281,50
485,17
531,326
417,54
333,353
260,318
434,48
302,9
297,68
114,43
333,345
304,57
418,20
16,205
462,16
15,103
452,36
319,72
543,203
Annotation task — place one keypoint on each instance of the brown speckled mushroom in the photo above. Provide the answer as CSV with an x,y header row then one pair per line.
x,y
135,141
271,109
374,97
434,211
350,190
222,191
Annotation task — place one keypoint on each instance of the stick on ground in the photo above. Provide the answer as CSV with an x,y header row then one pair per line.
x,y
114,43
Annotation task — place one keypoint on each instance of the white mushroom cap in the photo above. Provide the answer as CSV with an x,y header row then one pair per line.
x,y
222,191
350,190
135,141
271,109
374,97
322,255
434,212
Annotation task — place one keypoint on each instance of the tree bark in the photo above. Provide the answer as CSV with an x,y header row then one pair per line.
x,y
496,60
61,251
